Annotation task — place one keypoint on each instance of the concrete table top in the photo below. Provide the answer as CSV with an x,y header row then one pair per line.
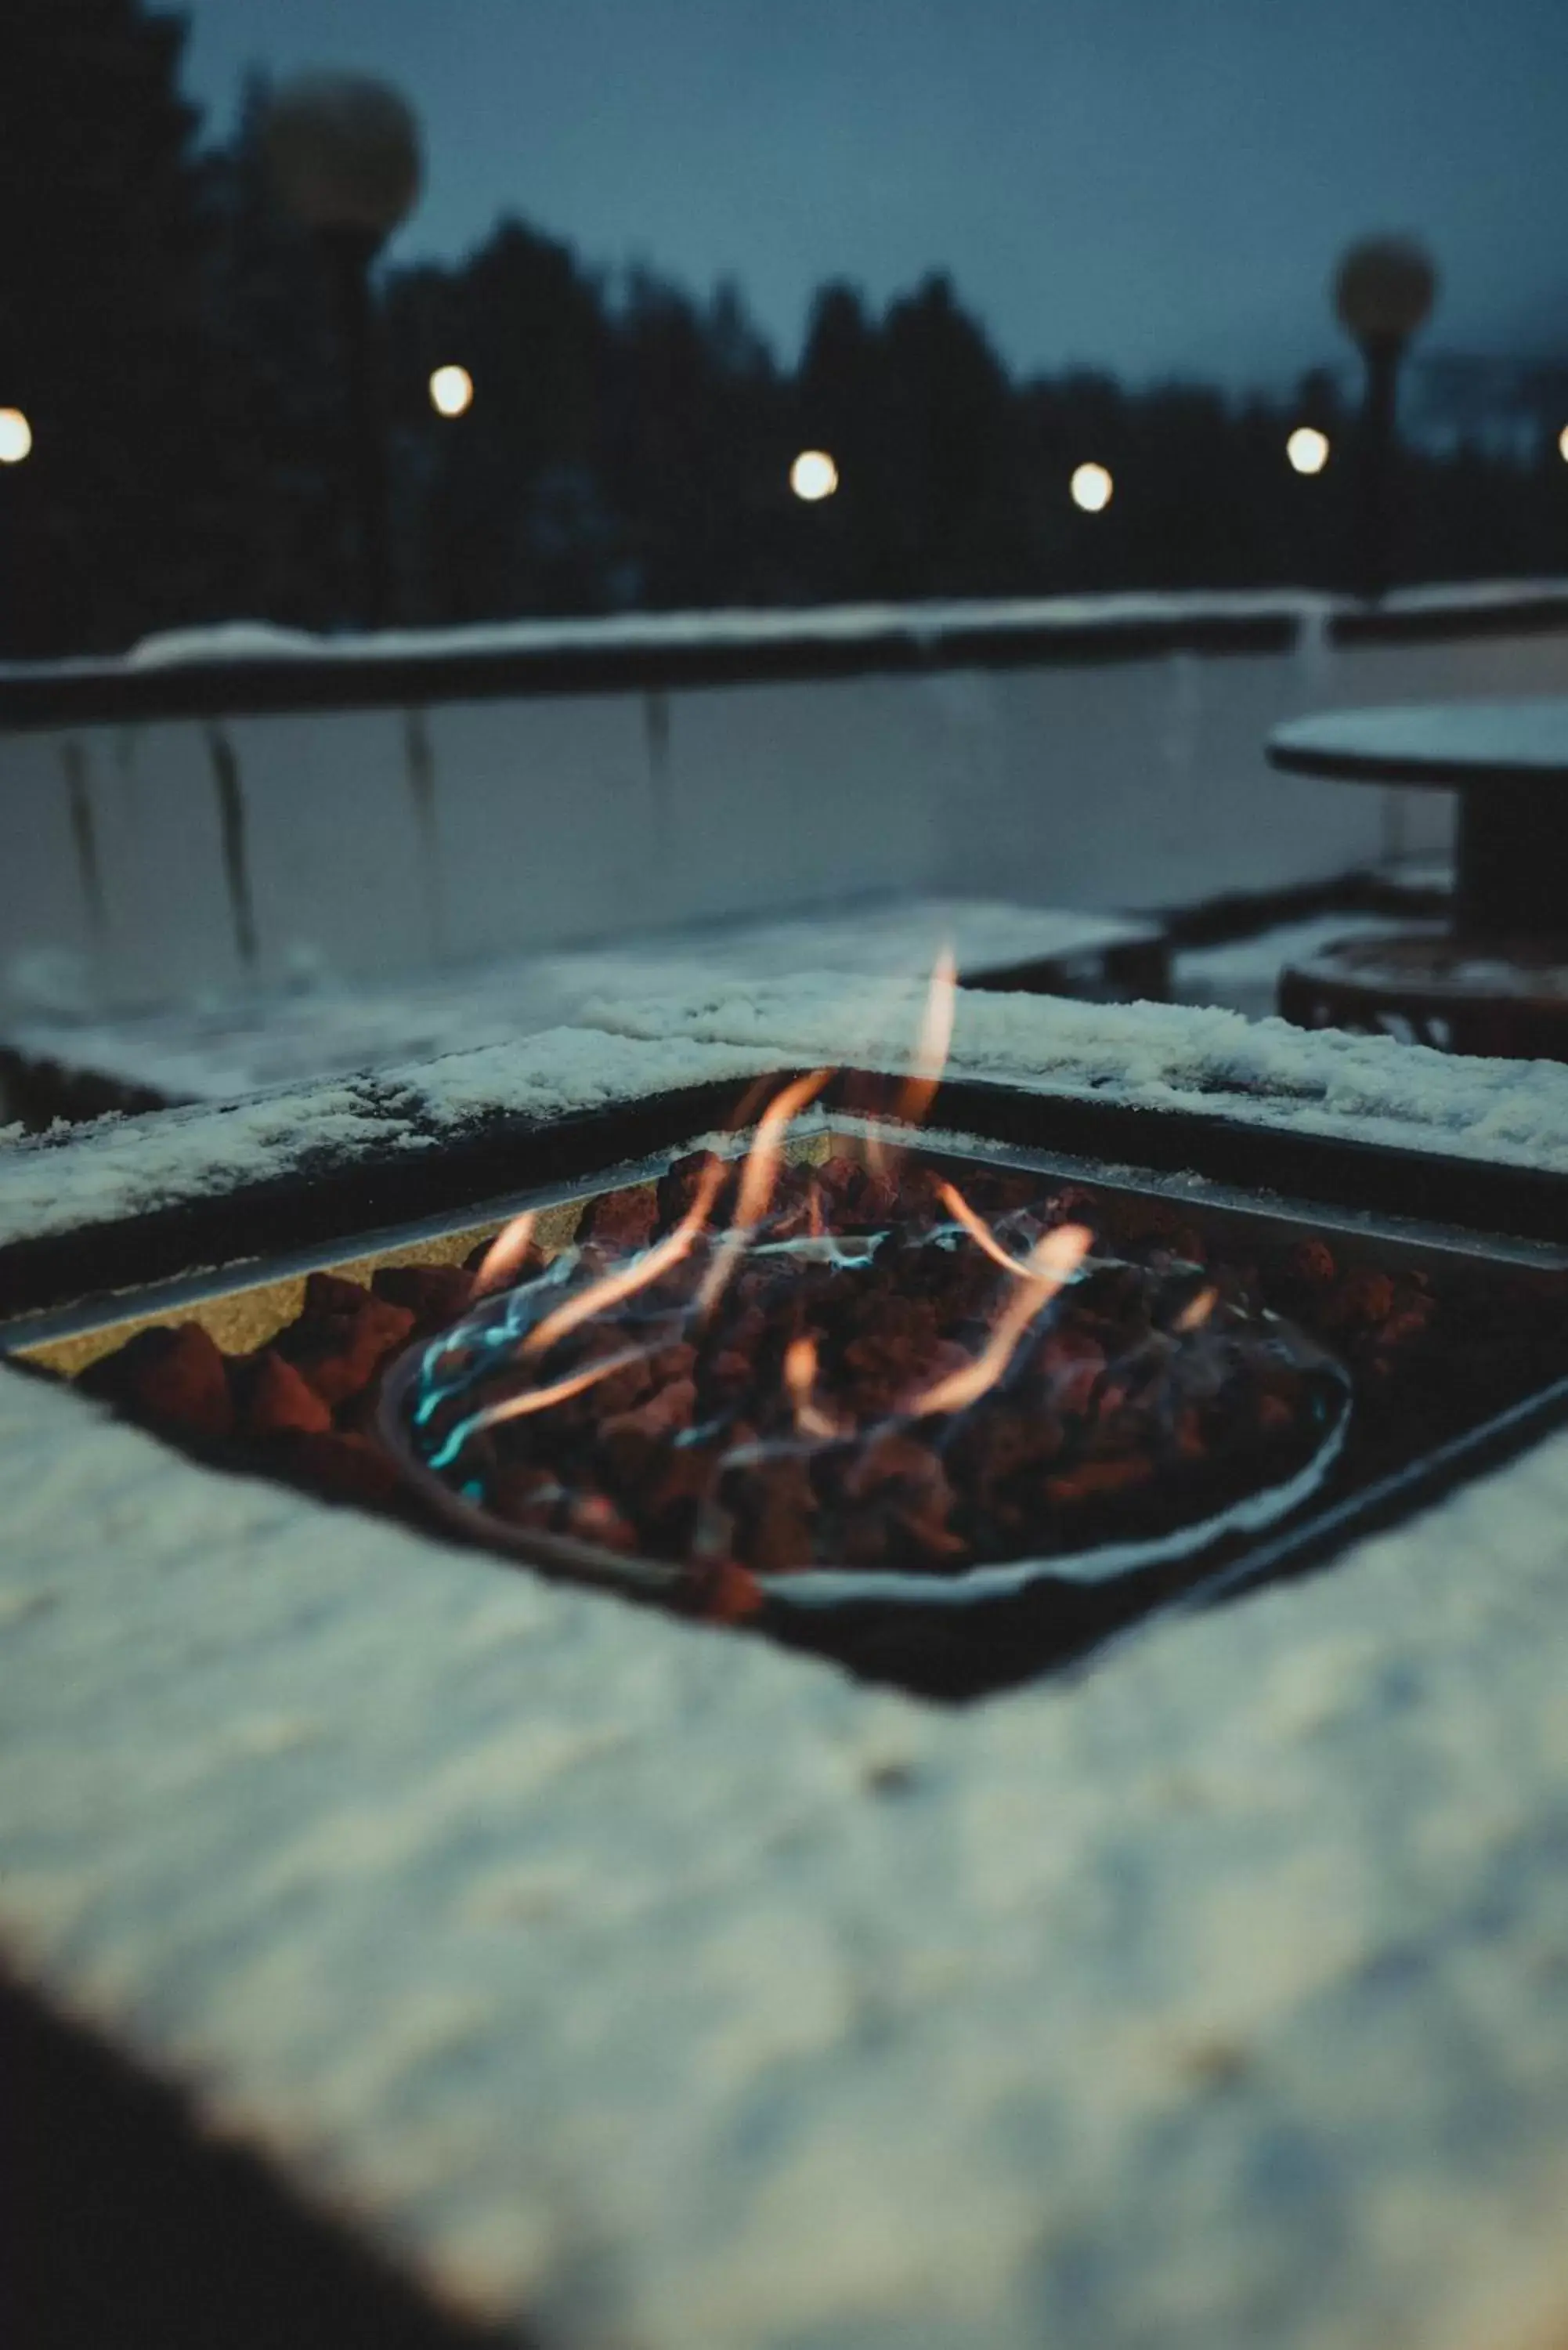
x,y
1461,743
1509,761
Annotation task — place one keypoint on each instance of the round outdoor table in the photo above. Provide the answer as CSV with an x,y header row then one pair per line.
x,y
1508,761
1497,981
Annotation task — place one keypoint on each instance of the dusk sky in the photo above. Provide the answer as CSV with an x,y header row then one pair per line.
x,y
1150,185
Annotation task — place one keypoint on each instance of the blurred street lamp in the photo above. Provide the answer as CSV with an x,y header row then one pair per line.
x,y
1384,289
814,476
16,436
1307,450
344,154
1091,488
1562,444
451,391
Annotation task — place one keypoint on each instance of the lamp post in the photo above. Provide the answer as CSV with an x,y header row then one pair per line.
x,y
343,155
1384,290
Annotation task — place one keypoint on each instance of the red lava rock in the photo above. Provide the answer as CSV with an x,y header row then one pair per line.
x,y
280,1403
622,1221
1311,1264
724,1592
1100,1477
434,1295
663,1414
779,1503
527,1266
345,1468
527,1493
1362,1297
702,1451
177,1378
343,1336
593,1518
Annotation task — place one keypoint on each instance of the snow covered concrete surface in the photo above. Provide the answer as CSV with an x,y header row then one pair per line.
x,y
1243,974
1153,1056
216,1050
655,1988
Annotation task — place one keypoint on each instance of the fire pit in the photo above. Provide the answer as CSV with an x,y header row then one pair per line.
x,y
951,1404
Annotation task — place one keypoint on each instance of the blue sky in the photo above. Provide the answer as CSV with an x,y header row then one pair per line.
x,y
1151,185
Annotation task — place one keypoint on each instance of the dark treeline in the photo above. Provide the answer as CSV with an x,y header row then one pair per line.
x,y
169,335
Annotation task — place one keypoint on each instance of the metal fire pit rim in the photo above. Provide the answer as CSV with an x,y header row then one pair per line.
x,y
1271,1556
364,1194
1411,1238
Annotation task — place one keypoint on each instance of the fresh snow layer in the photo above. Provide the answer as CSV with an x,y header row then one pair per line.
x,y
117,1167
835,624
1243,974
218,1051
1450,740
633,1983
1154,1056
1157,1056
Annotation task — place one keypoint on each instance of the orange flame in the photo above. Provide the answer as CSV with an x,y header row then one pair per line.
x,y
1051,1262
505,1253
628,1279
757,1182
929,1059
935,1038
964,1214
540,1398
800,1379
762,1159
1194,1315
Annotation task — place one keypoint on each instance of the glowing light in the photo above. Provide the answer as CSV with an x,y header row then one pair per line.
x,y
1562,444
1192,1317
936,1035
505,1253
16,436
800,1379
451,390
1052,1263
920,1087
643,1270
814,476
518,1406
1092,488
757,1179
960,1209
1307,450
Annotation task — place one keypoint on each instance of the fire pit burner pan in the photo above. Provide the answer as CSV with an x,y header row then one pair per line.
x,y
1233,1178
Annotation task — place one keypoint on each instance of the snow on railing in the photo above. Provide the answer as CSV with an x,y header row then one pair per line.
x,y
248,807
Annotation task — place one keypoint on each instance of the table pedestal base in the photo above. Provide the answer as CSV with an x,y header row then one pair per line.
x,y
1511,861
1502,995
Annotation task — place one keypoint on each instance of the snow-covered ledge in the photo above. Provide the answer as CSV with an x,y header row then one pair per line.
x,y
649,1986
374,807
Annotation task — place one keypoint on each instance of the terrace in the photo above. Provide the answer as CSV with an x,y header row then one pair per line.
x,y
782,1471
481,1951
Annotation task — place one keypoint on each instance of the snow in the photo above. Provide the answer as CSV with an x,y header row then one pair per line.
x,y
232,641
224,1049
629,1982
1157,1057
919,624
116,1166
1243,974
1453,742
1149,1055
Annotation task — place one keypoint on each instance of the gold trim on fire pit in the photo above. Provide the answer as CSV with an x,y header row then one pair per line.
x,y
242,1311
